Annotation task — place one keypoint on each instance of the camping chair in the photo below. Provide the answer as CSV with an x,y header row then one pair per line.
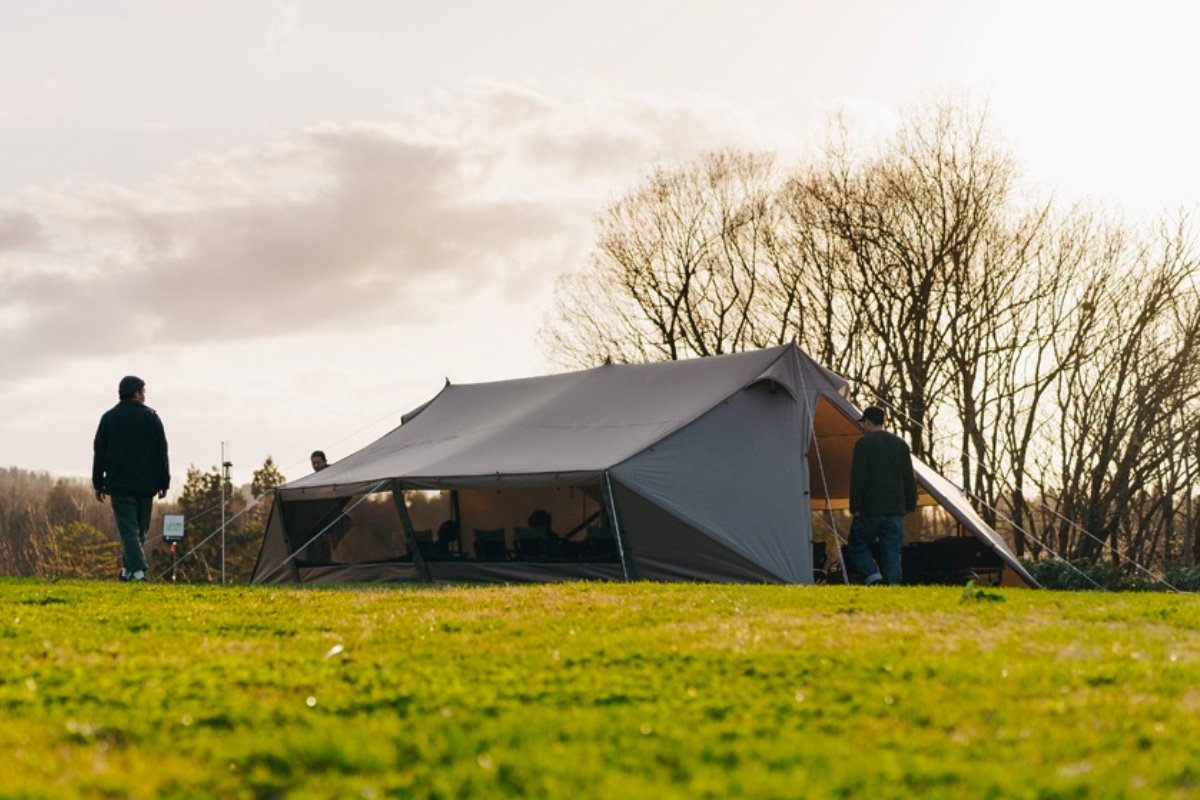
x,y
490,545
601,544
820,555
951,562
424,538
530,544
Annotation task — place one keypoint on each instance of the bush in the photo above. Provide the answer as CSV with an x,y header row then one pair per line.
x,y
75,550
1105,576
1185,579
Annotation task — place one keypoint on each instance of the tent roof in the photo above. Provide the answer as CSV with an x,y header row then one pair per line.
x,y
576,423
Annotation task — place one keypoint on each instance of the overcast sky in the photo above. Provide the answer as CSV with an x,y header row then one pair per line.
x,y
295,220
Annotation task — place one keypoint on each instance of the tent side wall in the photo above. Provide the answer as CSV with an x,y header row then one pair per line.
x,y
662,547
299,533
270,567
359,573
738,477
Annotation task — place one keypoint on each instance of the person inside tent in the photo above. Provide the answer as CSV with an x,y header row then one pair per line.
x,y
557,546
449,539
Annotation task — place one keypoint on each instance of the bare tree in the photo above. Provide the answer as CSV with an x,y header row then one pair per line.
x,y
1128,412
1065,269
677,271
1051,355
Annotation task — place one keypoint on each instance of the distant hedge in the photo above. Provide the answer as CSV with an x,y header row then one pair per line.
x,y
1105,576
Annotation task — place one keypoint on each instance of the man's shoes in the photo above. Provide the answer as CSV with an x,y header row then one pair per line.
x,y
123,576
139,577
875,580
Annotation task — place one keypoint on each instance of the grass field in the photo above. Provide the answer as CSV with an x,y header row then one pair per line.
x,y
596,690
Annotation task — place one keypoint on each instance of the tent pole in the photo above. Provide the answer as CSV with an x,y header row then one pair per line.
x,y
410,538
626,569
456,515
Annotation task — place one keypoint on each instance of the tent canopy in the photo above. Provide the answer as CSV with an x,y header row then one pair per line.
x,y
569,427
706,468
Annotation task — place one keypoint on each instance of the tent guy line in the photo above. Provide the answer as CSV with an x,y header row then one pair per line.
x,y
207,538
1039,504
321,532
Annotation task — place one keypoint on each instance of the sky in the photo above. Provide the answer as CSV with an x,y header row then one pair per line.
x,y
296,220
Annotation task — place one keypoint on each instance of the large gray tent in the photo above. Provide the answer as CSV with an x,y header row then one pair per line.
x,y
705,469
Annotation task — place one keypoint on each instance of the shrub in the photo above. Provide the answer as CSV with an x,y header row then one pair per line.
x,y
1106,576
74,550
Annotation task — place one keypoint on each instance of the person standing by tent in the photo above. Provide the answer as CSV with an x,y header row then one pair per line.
x,y
883,489
129,464
321,550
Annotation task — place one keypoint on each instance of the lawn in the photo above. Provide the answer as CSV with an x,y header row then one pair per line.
x,y
595,690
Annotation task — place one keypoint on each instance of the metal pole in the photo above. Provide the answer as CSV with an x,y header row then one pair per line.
x,y
225,465
612,510
410,538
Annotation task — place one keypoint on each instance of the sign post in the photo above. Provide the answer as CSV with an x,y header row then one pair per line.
x,y
172,534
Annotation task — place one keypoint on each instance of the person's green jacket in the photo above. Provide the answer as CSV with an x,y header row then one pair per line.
x,y
881,476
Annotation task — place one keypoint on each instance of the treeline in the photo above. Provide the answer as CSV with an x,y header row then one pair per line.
x,y
1046,357
53,527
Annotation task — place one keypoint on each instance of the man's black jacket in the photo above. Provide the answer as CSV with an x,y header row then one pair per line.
x,y
130,452
881,476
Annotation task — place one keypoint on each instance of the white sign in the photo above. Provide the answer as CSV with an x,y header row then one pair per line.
x,y
172,527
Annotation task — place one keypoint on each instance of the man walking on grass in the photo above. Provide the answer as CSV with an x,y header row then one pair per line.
x,y
129,465
882,490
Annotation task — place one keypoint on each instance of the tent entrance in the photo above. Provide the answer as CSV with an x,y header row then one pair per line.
x,y
938,548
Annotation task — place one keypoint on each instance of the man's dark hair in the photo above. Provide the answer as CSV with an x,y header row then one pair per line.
x,y
129,386
318,454
539,519
874,415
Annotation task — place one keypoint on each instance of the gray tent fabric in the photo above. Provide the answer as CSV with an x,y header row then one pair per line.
x,y
952,499
566,428
704,466
711,475
275,553
663,547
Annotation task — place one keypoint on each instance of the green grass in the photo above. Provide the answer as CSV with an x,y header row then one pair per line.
x,y
595,690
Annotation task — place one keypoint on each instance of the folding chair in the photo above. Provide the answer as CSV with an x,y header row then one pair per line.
x,y
602,544
490,545
530,544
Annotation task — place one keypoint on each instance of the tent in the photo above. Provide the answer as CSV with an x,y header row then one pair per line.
x,y
724,468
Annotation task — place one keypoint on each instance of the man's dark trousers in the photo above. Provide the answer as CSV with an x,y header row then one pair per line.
x,y
133,520
888,531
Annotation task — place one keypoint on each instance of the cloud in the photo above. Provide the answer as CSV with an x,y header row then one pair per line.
x,y
18,230
282,28
477,198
